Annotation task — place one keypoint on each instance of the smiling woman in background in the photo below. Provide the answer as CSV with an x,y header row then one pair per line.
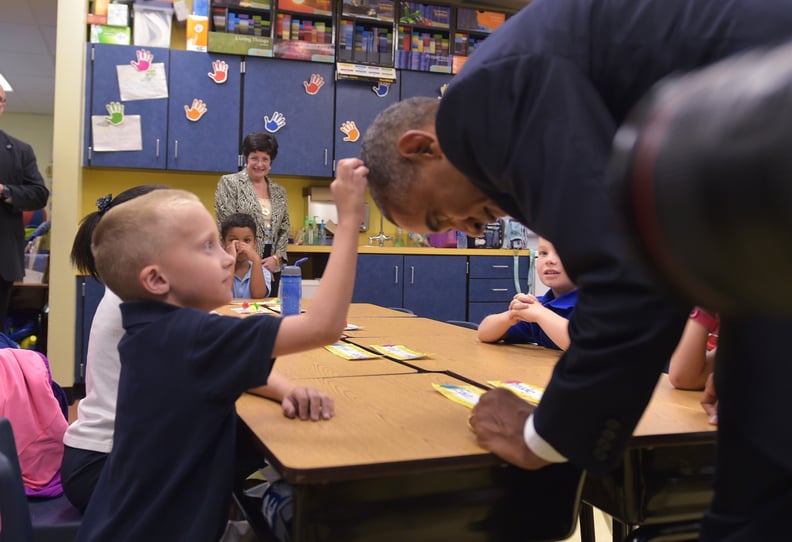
x,y
252,192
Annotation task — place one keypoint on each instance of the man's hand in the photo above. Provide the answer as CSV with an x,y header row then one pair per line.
x,y
498,421
306,402
709,401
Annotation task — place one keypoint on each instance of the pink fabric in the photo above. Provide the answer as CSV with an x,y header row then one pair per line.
x,y
27,400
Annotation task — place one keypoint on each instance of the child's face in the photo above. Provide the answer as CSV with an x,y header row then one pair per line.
x,y
240,236
550,269
199,271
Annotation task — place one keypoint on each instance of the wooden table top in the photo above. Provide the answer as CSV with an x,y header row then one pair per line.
x,y
383,425
319,362
671,413
356,310
397,331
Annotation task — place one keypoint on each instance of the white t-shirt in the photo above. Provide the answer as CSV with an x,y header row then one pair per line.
x,y
93,429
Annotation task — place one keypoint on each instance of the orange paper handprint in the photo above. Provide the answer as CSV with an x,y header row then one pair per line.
x,y
350,129
197,110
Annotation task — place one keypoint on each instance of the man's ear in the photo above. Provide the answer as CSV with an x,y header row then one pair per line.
x,y
153,281
418,144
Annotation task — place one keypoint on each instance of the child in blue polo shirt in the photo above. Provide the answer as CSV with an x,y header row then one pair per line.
x,y
251,278
168,476
539,320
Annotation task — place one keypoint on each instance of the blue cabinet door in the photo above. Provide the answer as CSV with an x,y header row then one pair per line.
x,y
436,286
210,142
152,113
422,84
378,280
297,99
357,102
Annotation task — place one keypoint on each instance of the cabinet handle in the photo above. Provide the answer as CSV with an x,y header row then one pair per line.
x,y
499,266
325,156
175,149
395,274
412,275
499,289
157,149
90,154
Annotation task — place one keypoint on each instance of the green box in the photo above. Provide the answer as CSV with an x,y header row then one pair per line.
x,y
116,35
240,44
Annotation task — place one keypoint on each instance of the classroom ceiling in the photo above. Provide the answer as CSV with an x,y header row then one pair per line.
x,y
27,54
27,49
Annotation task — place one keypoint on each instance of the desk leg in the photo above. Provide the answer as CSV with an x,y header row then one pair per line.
x,y
587,532
620,531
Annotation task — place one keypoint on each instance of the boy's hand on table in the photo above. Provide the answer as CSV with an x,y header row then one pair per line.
x,y
305,402
498,421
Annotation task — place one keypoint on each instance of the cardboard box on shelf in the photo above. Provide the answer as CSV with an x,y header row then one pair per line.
x,y
116,35
197,32
240,44
118,15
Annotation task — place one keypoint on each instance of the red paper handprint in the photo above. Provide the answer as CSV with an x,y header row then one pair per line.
x,y
312,87
220,74
143,62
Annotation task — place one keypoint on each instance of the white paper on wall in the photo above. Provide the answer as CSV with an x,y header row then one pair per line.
x,y
126,136
142,85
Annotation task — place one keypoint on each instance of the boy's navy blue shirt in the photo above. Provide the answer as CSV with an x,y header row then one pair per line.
x,y
169,475
531,332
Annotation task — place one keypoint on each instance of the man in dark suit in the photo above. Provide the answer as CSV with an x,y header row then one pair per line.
x,y
525,129
21,189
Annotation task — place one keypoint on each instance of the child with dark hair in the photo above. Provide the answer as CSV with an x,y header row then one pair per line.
x,y
251,278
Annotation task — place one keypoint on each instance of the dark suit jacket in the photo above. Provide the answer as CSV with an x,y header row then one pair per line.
x,y
18,171
529,120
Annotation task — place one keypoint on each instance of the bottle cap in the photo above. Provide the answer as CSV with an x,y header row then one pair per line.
x,y
291,271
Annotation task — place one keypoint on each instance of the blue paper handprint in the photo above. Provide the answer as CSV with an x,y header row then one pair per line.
x,y
381,89
275,123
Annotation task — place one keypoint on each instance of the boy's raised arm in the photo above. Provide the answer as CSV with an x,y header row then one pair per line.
x,y
325,318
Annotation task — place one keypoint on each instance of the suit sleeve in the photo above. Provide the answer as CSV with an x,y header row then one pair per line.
x,y
539,145
27,189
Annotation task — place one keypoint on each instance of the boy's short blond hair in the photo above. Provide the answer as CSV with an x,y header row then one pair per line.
x,y
132,236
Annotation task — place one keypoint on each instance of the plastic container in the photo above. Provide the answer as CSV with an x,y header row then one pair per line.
x,y
446,239
290,289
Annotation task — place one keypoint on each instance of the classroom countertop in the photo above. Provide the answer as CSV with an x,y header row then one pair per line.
x,y
422,251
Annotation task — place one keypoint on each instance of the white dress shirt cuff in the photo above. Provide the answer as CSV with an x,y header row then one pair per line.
x,y
538,445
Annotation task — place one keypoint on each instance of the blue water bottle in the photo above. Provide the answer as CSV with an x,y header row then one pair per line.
x,y
290,289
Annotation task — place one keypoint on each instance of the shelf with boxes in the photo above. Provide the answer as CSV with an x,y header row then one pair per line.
x,y
304,30
366,32
471,28
241,27
424,37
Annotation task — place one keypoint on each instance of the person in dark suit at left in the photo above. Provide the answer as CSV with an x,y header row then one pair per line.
x,y
21,189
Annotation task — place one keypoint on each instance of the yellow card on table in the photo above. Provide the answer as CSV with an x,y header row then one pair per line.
x,y
464,395
398,351
350,351
527,392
